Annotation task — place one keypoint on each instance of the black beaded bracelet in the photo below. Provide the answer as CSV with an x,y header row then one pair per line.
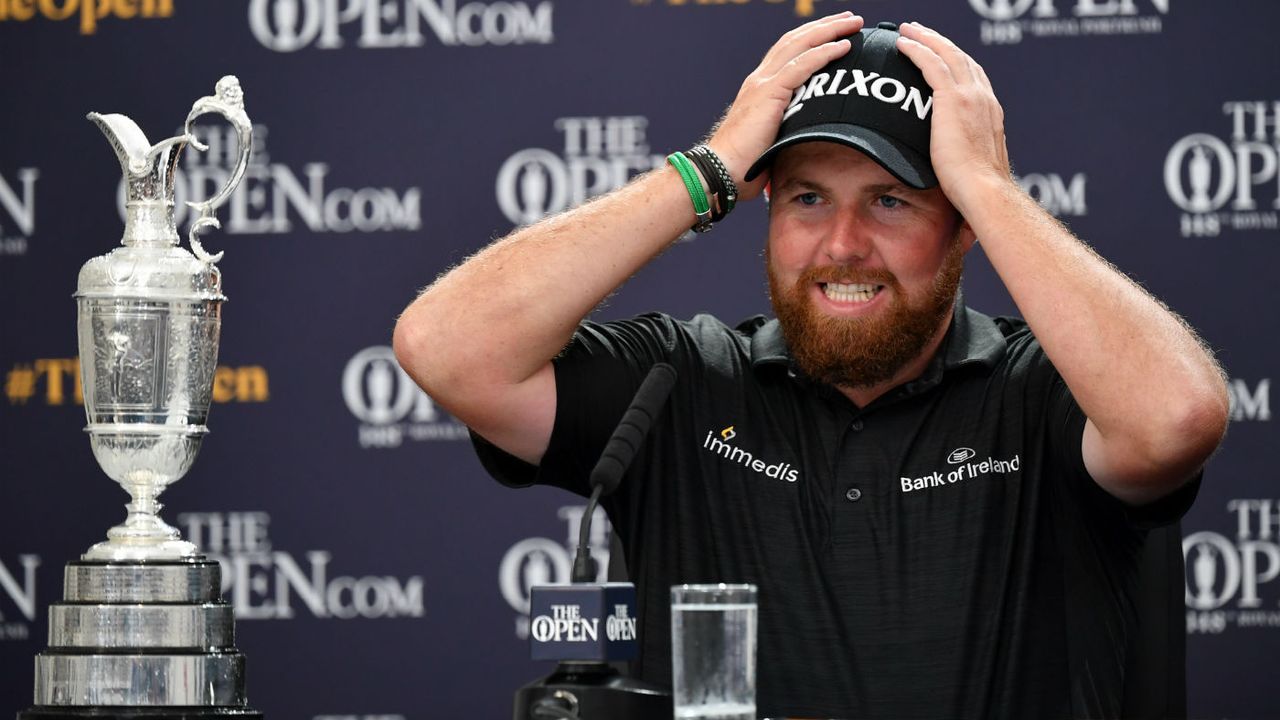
x,y
715,194
728,189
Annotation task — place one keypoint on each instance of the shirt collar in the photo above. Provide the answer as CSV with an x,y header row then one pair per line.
x,y
972,338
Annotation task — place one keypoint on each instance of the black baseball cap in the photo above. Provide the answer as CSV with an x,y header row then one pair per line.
x,y
873,99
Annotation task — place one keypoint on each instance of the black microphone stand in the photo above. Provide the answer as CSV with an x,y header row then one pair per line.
x,y
592,690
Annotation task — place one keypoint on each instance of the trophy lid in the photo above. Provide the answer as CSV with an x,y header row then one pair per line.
x,y
150,264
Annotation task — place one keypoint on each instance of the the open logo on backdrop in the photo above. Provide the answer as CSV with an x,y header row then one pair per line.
x,y
88,13
290,25
1250,404
802,8
1230,568
57,381
392,408
1060,195
543,561
265,583
17,209
1007,22
1229,181
597,155
276,198
17,595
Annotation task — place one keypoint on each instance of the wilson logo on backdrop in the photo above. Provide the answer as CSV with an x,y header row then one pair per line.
x,y
1229,570
17,209
1011,21
274,198
88,13
291,25
1229,181
390,406
597,155
56,381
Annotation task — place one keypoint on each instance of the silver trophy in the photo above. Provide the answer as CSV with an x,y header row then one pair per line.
x,y
143,628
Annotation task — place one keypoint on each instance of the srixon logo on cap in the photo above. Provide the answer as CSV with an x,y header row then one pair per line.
x,y
890,91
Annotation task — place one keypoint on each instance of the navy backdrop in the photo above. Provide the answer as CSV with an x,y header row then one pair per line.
x,y
375,569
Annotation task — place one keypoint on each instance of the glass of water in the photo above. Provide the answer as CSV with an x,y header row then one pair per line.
x,y
713,651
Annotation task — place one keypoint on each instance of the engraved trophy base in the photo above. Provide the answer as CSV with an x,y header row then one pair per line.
x,y
138,713
140,640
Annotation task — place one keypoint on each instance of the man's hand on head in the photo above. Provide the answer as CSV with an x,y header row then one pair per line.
x,y
968,139
750,125
1154,398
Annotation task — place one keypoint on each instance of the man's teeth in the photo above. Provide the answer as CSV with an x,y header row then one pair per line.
x,y
852,292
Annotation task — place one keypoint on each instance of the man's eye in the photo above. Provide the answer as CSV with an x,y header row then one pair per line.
x,y
808,198
889,201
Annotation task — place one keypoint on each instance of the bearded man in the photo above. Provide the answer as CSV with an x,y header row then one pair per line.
x,y
943,511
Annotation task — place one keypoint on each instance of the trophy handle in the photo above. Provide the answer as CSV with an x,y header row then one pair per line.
x,y
229,103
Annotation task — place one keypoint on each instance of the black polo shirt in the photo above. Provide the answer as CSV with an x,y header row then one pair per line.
x,y
939,553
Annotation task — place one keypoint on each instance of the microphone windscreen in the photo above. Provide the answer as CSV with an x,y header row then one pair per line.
x,y
648,401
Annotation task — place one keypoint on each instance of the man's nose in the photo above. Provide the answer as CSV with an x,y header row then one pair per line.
x,y
849,239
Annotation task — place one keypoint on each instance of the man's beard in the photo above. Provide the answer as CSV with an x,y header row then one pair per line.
x,y
862,351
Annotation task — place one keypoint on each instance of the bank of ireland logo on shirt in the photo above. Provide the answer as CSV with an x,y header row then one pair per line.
x,y
961,468
719,443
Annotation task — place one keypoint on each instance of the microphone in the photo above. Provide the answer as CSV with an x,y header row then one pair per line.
x,y
585,625
617,455
633,427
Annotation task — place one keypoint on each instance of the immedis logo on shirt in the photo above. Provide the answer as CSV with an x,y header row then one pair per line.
x,y
719,443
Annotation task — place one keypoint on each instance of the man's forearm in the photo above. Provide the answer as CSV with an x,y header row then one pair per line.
x,y
1154,396
503,314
